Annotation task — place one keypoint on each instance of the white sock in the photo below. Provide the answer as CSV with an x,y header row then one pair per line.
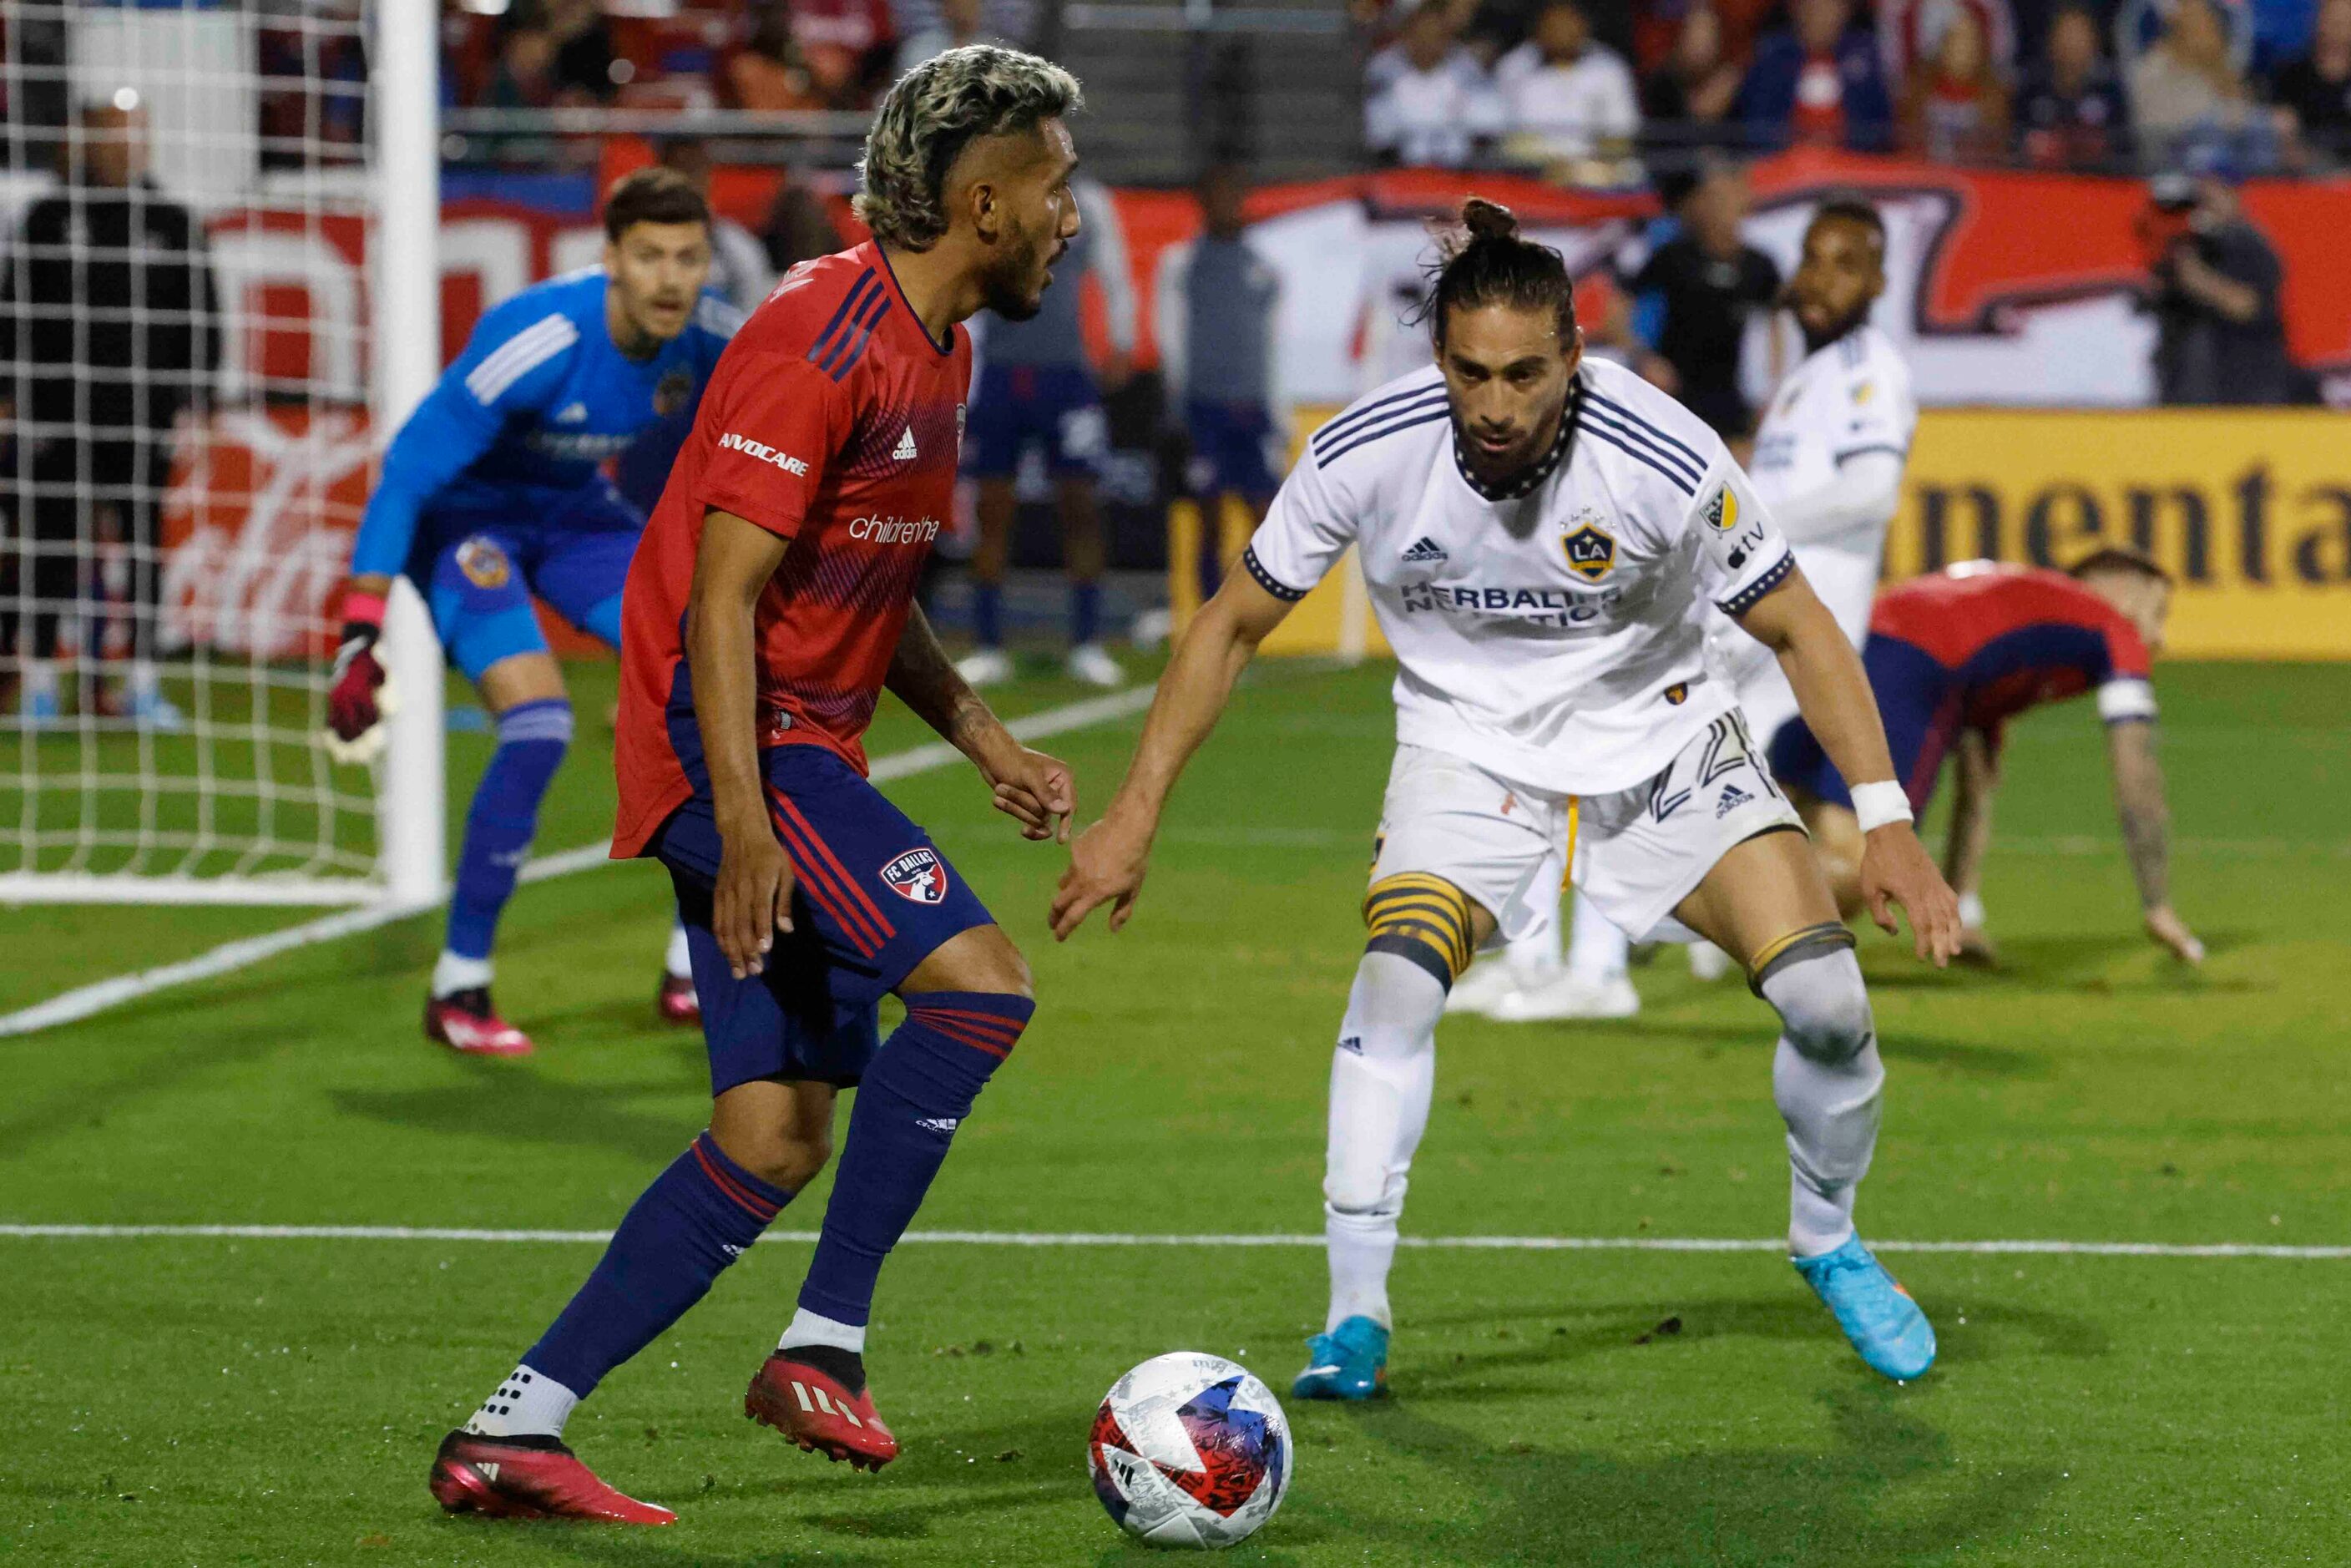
x,y
1596,949
527,1405
1829,1096
679,960
1381,1077
452,974
812,1328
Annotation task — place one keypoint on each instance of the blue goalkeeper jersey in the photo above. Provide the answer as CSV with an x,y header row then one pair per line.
x,y
524,421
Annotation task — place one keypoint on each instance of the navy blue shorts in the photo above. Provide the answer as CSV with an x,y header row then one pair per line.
x,y
1915,703
874,898
1055,407
1231,450
478,570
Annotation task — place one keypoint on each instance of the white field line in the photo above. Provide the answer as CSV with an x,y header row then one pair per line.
x,y
84,1001
1120,1238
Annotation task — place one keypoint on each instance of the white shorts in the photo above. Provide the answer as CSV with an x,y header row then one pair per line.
x,y
1638,852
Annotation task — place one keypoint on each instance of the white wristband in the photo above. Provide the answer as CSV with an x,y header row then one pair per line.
x,y
1971,911
1880,803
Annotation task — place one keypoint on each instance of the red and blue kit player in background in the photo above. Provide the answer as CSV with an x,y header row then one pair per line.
x,y
1954,656
770,603
494,491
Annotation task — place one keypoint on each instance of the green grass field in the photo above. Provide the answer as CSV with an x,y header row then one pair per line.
x,y
207,1400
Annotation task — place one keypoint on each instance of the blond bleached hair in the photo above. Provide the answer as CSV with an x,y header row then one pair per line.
x,y
931,115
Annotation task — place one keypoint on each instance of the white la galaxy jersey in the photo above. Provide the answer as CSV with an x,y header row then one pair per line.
x,y
1850,398
1554,636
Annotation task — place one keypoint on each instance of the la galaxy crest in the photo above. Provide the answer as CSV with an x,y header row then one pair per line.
x,y
670,395
1722,512
1590,548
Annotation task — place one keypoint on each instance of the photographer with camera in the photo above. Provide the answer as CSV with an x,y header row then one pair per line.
x,y
2215,281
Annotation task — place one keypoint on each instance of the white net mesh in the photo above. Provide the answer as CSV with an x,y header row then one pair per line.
x,y
184,361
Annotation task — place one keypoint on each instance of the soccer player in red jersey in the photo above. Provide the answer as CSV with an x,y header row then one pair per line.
x,y
771,600
1953,657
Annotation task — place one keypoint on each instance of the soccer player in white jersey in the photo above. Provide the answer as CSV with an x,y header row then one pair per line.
x,y
1541,535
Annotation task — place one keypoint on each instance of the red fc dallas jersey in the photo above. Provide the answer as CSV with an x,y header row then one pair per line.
x,y
2011,638
832,420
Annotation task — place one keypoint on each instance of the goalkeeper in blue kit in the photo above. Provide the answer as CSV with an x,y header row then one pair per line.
x,y
494,491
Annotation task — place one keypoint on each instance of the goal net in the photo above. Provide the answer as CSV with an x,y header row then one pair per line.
x,y
217,294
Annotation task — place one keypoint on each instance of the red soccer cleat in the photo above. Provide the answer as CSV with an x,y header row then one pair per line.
x,y
528,1478
677,1001
814,1410
467,1023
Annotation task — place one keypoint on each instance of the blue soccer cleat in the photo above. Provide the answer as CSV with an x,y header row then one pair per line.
x,y
1875,1312
1350,1362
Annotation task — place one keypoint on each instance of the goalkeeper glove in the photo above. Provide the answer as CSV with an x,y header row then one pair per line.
x,y
359,698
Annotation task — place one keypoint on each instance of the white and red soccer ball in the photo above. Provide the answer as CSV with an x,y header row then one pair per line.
x,y
1190,1450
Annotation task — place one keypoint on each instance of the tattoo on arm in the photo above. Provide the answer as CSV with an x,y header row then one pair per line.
x,y
2139,805
923,678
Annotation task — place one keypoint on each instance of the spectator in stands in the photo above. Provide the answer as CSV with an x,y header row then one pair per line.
x,y
1426,99
2314,93
1955,109
1818,81
799,228
2186,86
109,328
1704,285
2220,336
739,269
525,78
1695,88
1565,95
959,22
848,45
583,54
1909,32
2071,111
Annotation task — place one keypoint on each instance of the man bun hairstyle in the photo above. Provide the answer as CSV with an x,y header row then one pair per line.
x,y
654,195
1486,261
1853,207
931,115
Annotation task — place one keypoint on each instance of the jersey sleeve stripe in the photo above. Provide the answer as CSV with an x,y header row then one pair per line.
x,y
849,302
864,336
1682,482
1740,603
852,338
518,356
1853,451
1267,581
1346,424
1654,430
1607,425
1365,438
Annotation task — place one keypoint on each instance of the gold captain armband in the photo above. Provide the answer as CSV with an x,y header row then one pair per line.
x,y
1420,918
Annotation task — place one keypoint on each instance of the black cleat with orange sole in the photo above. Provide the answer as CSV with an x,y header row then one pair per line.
x,y
815,1408
528,1478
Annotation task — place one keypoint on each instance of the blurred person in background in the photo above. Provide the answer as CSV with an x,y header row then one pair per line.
x,y
1037,391
1909,32
1818,81
1213,307
2220,336
798,226
1708,283
1426,101
1955,108
2071,112
958,23
1693,90
2313,93
2186,86
1565,95
739,269
110,330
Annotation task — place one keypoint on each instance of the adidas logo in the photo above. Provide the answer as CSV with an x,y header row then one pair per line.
x,y
1733,797
1353,1042
938,1123
905,453
575,414
802,1391
490,1470
1424,552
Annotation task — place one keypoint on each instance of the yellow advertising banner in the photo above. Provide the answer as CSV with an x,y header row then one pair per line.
x,y
2249,508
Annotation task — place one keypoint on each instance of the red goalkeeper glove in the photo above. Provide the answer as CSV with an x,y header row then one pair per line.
x,y
354,703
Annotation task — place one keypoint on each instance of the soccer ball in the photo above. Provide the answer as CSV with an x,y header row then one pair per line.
x,y
1189,1450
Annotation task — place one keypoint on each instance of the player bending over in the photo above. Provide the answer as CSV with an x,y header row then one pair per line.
x,y
1542,535
772,601
494,491
1952,658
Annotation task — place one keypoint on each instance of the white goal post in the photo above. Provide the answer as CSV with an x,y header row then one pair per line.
x,y
169,554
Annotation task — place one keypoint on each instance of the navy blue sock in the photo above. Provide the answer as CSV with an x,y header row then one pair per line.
x,y
919,1089
987,613
696,1219
1085,613
532,737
